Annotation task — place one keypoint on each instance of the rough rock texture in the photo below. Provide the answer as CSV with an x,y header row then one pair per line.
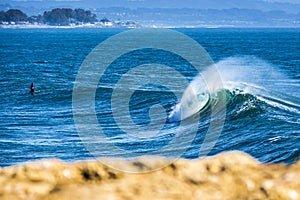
x,y
229,176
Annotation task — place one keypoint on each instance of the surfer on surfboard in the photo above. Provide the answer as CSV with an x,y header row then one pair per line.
x,y
32,89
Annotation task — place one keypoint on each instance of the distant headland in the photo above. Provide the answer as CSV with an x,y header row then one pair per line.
x,y
59,18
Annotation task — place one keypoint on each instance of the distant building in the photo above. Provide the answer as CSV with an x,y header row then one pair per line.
x,y
108,24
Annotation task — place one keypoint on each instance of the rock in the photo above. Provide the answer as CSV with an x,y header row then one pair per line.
x,y
232,175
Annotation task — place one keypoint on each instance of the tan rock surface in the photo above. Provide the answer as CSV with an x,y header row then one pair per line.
x,y
232,175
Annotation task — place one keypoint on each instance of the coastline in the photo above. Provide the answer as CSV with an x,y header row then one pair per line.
x,y
232,175
44,26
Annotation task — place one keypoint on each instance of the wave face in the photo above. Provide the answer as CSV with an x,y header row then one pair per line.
x,y
248,75
259,69
263,103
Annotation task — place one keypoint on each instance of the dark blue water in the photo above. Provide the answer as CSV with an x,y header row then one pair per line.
x,y
260,69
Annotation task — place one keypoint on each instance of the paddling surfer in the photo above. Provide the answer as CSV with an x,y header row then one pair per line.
x,y
32,89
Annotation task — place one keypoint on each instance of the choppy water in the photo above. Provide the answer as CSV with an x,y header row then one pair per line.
x,y
260,69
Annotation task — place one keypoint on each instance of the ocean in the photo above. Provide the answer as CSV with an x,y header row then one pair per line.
x,y
259,69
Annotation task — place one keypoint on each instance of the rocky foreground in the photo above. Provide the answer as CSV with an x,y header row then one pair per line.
x,y
229,176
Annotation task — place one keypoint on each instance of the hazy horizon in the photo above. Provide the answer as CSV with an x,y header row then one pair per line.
x,y
217,4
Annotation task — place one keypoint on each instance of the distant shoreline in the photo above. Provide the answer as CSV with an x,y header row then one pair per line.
x,y
45,26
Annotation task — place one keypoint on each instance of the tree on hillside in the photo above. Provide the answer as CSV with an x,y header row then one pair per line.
x,y
85,16
36,19
56,17
69,13
65,16
2,16
104,20
14,15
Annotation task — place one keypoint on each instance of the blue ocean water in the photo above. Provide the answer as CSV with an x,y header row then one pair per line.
x,y
260,69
